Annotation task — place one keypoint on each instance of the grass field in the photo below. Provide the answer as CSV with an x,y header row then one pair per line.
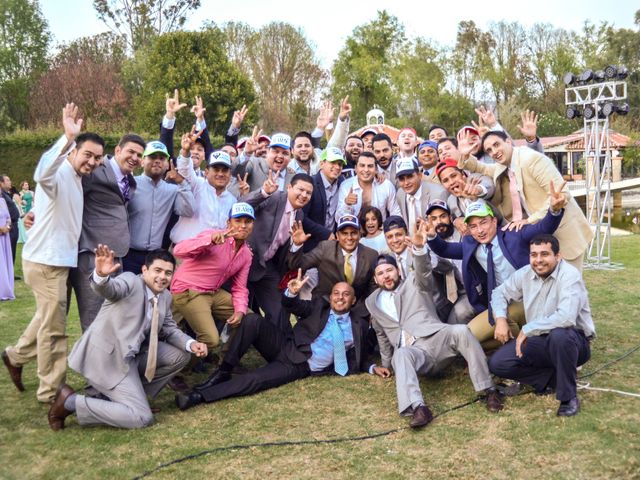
x,y
525,440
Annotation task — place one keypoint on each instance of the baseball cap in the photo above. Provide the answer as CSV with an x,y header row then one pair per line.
x,y
437,203
348,221
368,131
394,221
263,138
446,163
220,157
242,142
468,128
428,143
386,259
332,154
479,208
406,166
155,147
241,209
280,140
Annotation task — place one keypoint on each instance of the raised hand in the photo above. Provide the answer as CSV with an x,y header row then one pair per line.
x,y
345,108
238,117
465,146
172,175
420,233
529,125
187,140
71,124
325,117
198,109
480,127
270,185
351,198
218,238
173,105
252,142
486,116
105,264
517,226
295,284
298,237
243,186
430,228
472,189
557,199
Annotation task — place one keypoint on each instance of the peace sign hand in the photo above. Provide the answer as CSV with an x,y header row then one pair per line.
x,y
557,199
345,108
218,238
173,105
238,117
472,189
198,109
295,284
243,186
270,185
252,142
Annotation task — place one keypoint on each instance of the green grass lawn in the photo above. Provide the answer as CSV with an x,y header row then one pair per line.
x,y
525,440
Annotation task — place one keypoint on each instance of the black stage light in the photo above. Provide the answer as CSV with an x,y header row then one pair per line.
x,y
586,76
589,112
607,109
622,109
572,112
611,71
622,73
598,76
569,79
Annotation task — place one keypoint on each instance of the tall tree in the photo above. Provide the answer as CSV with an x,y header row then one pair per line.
x,y
138,21
466,60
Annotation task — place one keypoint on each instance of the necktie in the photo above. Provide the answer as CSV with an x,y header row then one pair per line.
x,y
491,279
339,353
150,371
401,266
516,206
125,188
411,212
452,287
348,269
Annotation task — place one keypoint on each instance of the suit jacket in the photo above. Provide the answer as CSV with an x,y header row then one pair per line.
x,y
104,218
14,214
327,257
430,192
514,246
417,313
268,216
103,354
533,172
312,318
258,171
315,213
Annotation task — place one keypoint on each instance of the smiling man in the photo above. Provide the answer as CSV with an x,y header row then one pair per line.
x,y
556,337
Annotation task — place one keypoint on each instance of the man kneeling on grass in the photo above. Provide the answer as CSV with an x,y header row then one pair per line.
x,y
131,350
555,339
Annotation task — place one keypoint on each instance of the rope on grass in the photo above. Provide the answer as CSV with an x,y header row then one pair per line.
x,y
587,386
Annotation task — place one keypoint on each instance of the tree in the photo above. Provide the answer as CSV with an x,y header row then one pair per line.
x,y
472,47
196,64
138,21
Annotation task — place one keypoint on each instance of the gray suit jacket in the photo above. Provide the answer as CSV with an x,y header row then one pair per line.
x,y
258,171
103,353
104,218
416,310
430,192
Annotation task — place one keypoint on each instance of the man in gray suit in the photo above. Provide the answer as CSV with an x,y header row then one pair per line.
x,y
131,350
414,340
107,192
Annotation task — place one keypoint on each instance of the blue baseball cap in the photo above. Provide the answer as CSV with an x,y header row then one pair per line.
x,y
242,209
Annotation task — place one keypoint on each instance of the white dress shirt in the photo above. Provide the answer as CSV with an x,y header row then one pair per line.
x,y
383,196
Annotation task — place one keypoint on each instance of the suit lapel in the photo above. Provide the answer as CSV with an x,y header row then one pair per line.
x,y
322,194
517,168
280,207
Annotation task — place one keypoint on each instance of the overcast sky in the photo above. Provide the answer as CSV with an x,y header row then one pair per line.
x,y
328,23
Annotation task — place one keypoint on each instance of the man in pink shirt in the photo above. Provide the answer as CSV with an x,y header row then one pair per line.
x,y
209,261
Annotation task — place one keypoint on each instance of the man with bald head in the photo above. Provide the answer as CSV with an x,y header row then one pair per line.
x,y
328,338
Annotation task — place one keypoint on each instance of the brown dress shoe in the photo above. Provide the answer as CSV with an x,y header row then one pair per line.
x,y
421,417
14,372
495,400
57,412
177,384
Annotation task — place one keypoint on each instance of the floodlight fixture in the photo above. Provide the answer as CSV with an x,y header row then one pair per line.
x,y
573,112
589,112
598,76
586,76
569,79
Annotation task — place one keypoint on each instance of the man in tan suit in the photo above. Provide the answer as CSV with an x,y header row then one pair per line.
x,y
522,177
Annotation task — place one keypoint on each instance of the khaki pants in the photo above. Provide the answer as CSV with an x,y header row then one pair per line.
x,y
44,337
483,330
203,310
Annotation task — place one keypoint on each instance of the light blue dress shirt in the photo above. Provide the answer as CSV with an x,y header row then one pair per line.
x,y
322,347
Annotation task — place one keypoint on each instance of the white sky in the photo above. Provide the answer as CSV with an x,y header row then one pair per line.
x,y
328,23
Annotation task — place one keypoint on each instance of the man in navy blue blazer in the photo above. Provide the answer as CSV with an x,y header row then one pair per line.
x,y
319,214
489,256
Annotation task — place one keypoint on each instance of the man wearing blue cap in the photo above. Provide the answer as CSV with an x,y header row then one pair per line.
x,y
150,210
428,158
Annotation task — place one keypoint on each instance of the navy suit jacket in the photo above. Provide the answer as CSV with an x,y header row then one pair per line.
x,y
514,246
315,213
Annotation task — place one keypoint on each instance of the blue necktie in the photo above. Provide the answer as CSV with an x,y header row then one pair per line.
x,y
125,189
339,353
491,279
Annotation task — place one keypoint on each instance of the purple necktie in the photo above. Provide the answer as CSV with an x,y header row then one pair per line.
x,y
125,189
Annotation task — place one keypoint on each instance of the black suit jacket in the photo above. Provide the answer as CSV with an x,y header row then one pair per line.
x,y
315,213
312,318
14,214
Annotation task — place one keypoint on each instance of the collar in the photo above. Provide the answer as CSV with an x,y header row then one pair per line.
x,y
327,184
418,193
288,207
554,274
345,253
116,169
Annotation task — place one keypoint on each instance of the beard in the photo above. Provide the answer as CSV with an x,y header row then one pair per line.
x,y
393,287
444,230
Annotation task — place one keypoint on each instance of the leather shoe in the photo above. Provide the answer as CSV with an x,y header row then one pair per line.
x,y
421,417
14,372
217,377
57,412
177,384
185,401
495,400
570,408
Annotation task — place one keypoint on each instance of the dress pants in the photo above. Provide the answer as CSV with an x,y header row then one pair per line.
x,y
45,337
128,406
483,330
462,311
134,260
268,297
432,354
272,344
548,360
89,302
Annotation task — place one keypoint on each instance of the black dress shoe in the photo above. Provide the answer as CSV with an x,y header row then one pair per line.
x,y
421,417
570,408
57,412
185,401
217,377
495,400
14,372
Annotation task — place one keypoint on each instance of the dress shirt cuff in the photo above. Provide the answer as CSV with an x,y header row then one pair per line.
x,y
484,191
317,133
190,342
168,123
294,248
419,251
232,131
556,214
201,125
373,365
287,293
99,279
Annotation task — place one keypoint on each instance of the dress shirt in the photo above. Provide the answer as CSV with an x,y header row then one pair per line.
x,y
207,266
58,205
383,196
116,170
211,211
322,347
330,190
502,268
378,243
353,260
314,164
412,216
558,301
283,232
150,210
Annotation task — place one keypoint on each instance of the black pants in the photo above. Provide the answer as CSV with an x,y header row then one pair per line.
x,y
548,361
268,297
133,261
271,343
